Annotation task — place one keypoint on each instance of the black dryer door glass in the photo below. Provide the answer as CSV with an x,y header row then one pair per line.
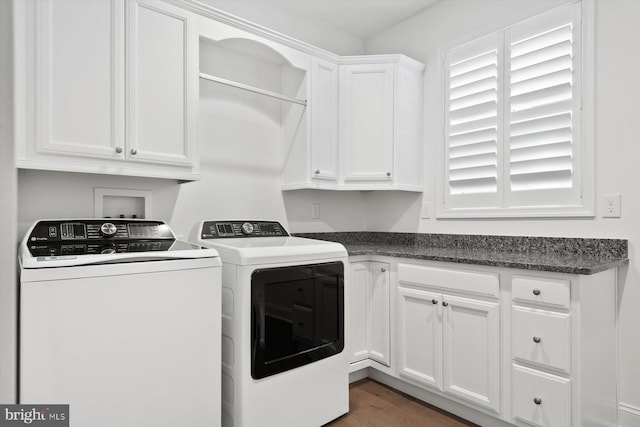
x,y
297,316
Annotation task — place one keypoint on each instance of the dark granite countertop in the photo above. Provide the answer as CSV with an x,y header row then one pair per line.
x,y
561,255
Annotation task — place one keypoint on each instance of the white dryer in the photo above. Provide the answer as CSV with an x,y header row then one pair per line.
x,y
284,362
121,321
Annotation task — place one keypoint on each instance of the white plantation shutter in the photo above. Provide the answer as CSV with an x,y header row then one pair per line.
x,y
544,101
472,110
513,117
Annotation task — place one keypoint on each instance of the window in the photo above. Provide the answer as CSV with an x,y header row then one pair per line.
x,y
514,122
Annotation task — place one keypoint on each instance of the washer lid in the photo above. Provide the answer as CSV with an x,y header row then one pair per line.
x,y
271,250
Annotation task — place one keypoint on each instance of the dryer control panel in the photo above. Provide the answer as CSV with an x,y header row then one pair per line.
x,y
236,229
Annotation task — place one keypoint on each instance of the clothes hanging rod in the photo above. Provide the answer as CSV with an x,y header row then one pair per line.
x,y
252,89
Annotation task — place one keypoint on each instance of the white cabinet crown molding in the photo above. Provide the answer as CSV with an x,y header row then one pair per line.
x,y
393,58
243,24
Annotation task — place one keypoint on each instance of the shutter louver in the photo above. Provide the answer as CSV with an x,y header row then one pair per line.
x,y
541,101
472,124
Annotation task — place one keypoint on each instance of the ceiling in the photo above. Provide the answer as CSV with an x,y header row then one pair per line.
x,y
362,18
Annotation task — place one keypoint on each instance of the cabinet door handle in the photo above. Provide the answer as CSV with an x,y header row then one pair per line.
x,y
118,150
537,400
388,173
537,339
383,270
134,151
434,301
317,172
444,303
536,292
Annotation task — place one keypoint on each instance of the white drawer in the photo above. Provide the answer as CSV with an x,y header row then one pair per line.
x,y
541,399
541,337
472,282
547,292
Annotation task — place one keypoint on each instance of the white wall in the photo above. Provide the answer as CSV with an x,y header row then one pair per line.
x,y
617,129
8,211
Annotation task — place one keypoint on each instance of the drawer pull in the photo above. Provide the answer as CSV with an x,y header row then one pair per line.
x,y
536,292
537,400
434,301
444,303
537,339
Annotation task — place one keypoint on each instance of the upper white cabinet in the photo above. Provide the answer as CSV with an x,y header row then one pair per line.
x,y
112,88
366,126
79,77
162,83
324,121
381,122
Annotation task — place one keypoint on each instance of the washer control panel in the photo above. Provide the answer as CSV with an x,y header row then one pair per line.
x,y
236,229
95,236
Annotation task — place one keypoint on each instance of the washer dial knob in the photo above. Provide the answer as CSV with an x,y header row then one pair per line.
x,y
247,228
108,229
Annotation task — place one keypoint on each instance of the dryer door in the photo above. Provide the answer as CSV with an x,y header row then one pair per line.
x,y
297,316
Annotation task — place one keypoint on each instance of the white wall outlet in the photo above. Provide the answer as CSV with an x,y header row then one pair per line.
x,y
315,210
425,212
611,205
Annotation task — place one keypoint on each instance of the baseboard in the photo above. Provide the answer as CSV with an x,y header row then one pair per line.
x,y
628,415
358,375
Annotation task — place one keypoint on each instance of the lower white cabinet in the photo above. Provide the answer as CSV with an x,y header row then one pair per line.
x,y
497,346
447,342
563,349
369,312
539,398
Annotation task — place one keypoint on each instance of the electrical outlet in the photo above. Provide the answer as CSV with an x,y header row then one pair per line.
x,y
315,210
611,206
426,210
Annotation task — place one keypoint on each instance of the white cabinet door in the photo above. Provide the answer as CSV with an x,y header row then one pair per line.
x,y
366,130
420,336
324,120
79,74
162,82
369,312
471,350
358,344
379,347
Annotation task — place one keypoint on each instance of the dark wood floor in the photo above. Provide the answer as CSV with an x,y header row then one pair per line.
x,y
372,404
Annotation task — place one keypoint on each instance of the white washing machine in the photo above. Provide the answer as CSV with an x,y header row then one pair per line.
x,y
121,321
284,362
